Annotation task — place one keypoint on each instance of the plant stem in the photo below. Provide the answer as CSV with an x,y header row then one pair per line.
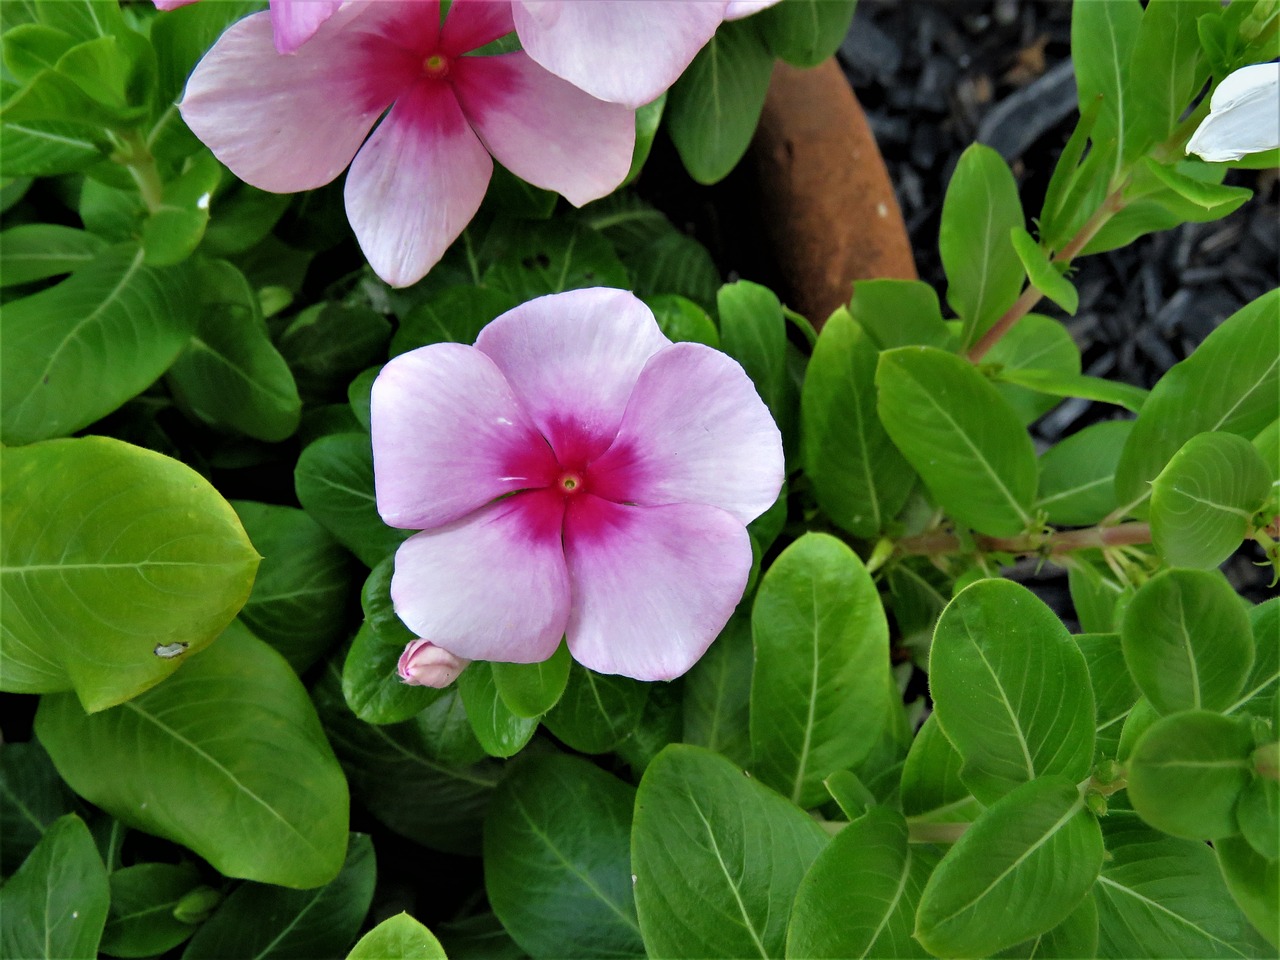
x,y
1036,544
137,159
919,832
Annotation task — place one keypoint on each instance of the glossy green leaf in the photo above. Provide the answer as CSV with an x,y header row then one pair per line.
x,y
1159,896
596,711
1114,692
1231,383
713,109
648,119
1044,276
1254,882
226,758
176,227
77,351
37,251
1017,872
143,897
1204,500
1187,641
963,439
979,212
806,32
454,315
899,313
1103,36
1207,194
850,794
1074,937
682,320
398,938
1011,690
821,680
1061,384
271,923
557,860
753,332
717,858
717,694
1077,474
531,689
334,483
1035,347
552,257
32,796
931,786
1187,771
859,478
1166,56
859,897
1260,686
501,731
55,906
118,564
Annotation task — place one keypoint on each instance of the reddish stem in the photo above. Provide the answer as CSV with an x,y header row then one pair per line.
x,y
1050,544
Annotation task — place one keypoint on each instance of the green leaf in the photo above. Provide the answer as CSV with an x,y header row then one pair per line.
x,y
1186,773
37,251
1062,384
1017,872
299,599
56,904
500,731
1231,383
717,694
182,36
1077,474
899,313
806,32
32,47
678,264
851,795
328,344
754,332
1187,641
1258,814
648,119
979,213
1260,686
143,897
554,256
1037,346
717,858
531,689
596,712
1042,273
1201,193
1204,500
1159,896
176,227
1114,691
859,479
334,482
77,351
557,860
1254,882
1103,36
45,149
1096,597
859,897
821,681
1076,936
509,196
118,564
1011,690
227,758
270,923
1166,56
454,315
932,790
398,938
32,796
713,109
960,436
682,320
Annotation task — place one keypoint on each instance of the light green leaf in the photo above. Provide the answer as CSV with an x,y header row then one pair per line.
x,y
754,332
1103,36
37,251
1260,686
175,228
1204,500
682,320
899,313
118,564
557,860
1044,276
1077,474
1017,872
1035,347
596,711
1011,690
1254,882
1062,384
1258,813
932,790
821,683
717,694
1187,641
1114,691
531,689
717,858
398,938
1074,937
500,731
227,758
1166,56
960,436
1207,194
77,351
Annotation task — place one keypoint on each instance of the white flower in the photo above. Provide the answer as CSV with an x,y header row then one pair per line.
x,y
1244,115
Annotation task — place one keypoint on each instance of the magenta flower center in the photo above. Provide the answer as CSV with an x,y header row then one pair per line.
x,y
436,66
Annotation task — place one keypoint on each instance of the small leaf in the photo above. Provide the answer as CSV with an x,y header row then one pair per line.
x,y
531,689
500,731
1035,347
176,227
596,711
754,332
899,313
1258,815
1077,474
398,938
143,897
1204,194
1044,276
682,320
1061,384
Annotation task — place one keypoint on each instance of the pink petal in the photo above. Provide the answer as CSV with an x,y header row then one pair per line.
x,y
416,184
448,437
737,9
172,4
623,51
544,129
286,124
423,664
474,23
294,21
493,585
695,431
572,359
652,586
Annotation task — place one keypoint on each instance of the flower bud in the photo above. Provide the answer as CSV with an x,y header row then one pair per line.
x,y
423,664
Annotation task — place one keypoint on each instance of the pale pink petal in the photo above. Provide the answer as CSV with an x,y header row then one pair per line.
x,y
172,4
623,51
544,129
695,431
493,585
652,586
448,437
416,184
423,664
293,123
474,23
572,359
294,21
737,9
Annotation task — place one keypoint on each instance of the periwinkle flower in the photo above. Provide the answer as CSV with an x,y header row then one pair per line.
x,y
292,21
1244,115
286,124
423,664
574,474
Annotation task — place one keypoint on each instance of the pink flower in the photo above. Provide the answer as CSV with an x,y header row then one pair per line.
x,y
294,123
292,21
423,664
623,51
573,474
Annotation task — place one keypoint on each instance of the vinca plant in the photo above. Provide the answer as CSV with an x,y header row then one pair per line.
x,y
399,560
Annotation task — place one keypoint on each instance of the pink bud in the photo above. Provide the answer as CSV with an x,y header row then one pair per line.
x,y
423,664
